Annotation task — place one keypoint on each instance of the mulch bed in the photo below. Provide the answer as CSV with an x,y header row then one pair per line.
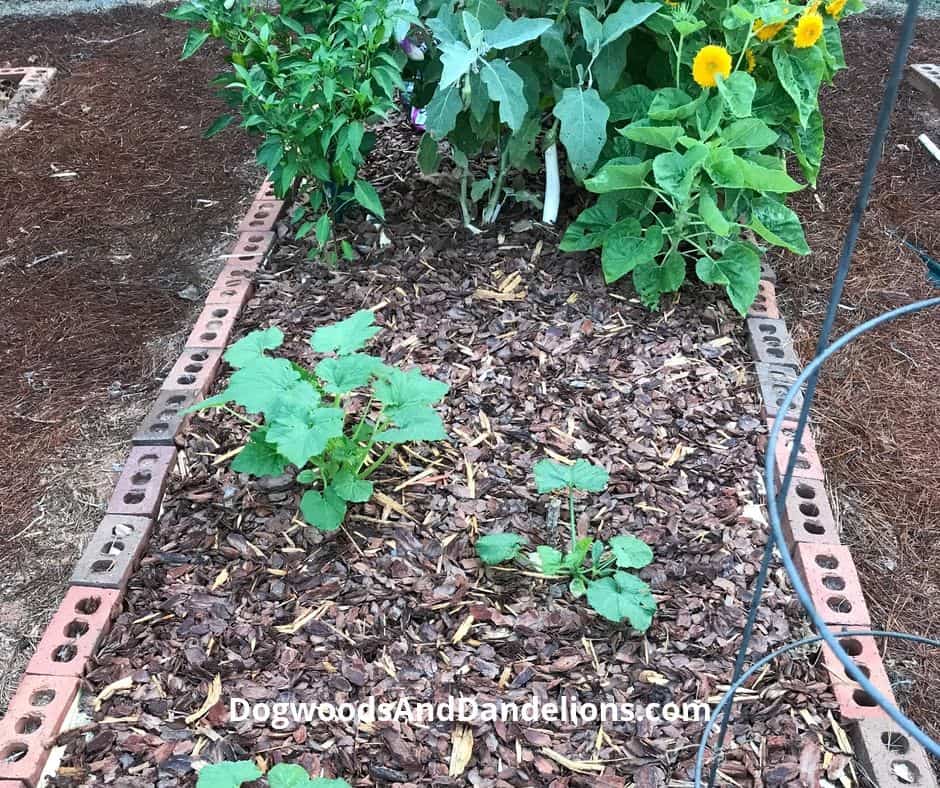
x,y
877,419
91,262
234,586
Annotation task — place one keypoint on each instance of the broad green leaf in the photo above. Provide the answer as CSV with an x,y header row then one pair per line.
x,y
252,346
496,548
657,136
800,72
347,336
631,103
429,159
505,86
582,475
738,93
630,552
628,249
324,511
776,223
307,476
574,560
723,168
560,63
547,559
260,384
609,66
708,117
623,597
489,13
737,270
513,32
750,133
616,177
343,374
583,118
577,587
675,172
626,17
764,179
350,487
324,227
442,111
808,145
288,775
259,458
230,774
592,30
409,388
651,279
456,60
368,198
712,215
194,41
673,104
413,423
301,432
218,125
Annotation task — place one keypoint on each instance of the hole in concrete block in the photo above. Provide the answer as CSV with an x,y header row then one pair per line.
x,y
193,368
122,530
864,669
28,724
169,413
256,239
827,561
141,477
208,336
160,427
839,604
905,772
176,399
221,312
833,583
809,509
767,328
200,355
812,527
148,459
64,653
250,248
134,497
895,742
214,325
13,752
76,628
114,547
852,646
102,567
88,605
42,697
805,491
186,380
862,698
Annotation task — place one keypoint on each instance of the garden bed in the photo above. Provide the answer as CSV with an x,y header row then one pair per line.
x,y
542,360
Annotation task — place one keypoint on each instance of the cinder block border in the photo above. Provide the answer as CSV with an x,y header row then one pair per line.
x,y
30,86
102,572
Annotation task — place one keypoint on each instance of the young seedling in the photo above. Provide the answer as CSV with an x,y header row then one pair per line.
x,y
231,774
615,594
309,419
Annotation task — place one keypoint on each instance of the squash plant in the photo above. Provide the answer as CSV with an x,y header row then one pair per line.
x,y
326,422
232,774
593,568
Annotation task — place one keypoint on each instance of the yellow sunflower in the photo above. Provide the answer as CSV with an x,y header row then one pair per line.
x,y
751,61
711,61
835,7
767,32
807,30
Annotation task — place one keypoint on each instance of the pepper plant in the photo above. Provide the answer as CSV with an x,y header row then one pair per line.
x,y
327,422
232,774
594,569
309,80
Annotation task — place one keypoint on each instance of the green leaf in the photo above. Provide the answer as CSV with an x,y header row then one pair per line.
x,y
194,41
496,548
609,66
413,423
672,104
623,597
409,388
738,93
429,159
629,248
574,560
300,431
227,775
776,223
260,384
625,18
577,587
631,103
582,475
347,336
343,374
288,775
259,458
657,136
764,179
630,552
712,215
505,86
675,172
324,226
442,111
252,346
808,145
324,511
547,559
800,72
583,118
592,30
368,198
456,60
219,124
513,32
350,487
651,280
590,229
616,177
750,133
307,476
737,270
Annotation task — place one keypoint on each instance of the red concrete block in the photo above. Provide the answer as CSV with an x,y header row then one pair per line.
x,y
139,488
213,327
807,515
261,216
854,702
113,552
167,418
765,305
266,192
232,288
70,640
889,757
250,250
830,577
194,370
807,462
34,718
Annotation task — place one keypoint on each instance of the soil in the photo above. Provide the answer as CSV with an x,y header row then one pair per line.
x,y
877,418
111,203
542,358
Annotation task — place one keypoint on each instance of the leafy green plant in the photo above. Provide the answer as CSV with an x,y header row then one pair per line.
x,y
327,422
593,568
309,80
231,774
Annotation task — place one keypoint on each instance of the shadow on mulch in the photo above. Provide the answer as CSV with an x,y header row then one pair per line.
x,y
878,413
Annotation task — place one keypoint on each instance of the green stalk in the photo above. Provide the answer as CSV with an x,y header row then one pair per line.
x,y
378,463
574,529
464,206
679,58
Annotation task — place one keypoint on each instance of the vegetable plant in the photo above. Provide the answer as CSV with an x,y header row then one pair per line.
x,y
231,774
329,421
309,80
594,569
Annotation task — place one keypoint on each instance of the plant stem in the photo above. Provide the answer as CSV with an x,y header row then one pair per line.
x,y
750,32
238,415
679,58
464,205
378,463
574,529
492,207
552,185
